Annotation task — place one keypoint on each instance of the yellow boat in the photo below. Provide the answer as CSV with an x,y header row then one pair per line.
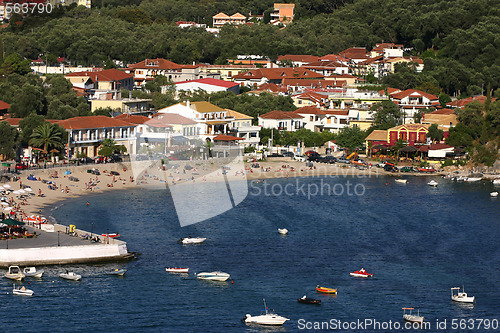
x,y
326,290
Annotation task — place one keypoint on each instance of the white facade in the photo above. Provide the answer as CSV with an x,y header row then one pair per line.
x,y
290,125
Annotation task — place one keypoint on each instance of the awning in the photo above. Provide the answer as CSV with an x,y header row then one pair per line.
x,y
216,122
10,221
408,149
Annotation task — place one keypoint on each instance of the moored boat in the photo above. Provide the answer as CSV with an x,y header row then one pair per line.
x,y
118,271
473,179
411,317
112,235
70,276
192,240
461,296
32,272
213,276
402,181
433,183
269,318
177,270
22,291
326,290
14,273
361,273
283,231
496,181
494,194
308,300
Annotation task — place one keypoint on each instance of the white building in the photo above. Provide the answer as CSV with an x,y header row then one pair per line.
x,y
208,85
282,120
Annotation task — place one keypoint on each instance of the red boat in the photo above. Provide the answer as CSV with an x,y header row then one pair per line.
x,y
361,273
426,170
113,235
177,270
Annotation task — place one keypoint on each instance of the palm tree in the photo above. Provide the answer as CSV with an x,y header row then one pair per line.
x,y
46,136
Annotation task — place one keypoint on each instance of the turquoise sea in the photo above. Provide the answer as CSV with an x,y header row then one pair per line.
x,y
418,242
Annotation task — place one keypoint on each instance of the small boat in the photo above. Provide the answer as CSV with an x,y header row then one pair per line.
x,y
433,183
22,291
361,273
70,276
411,317
473,179
113,235
494,194
426,169
118,271
269,318
402,181
461,296
177,270
192,240
326,290
32,272
14,273
213,276
308,300
496,181
283,231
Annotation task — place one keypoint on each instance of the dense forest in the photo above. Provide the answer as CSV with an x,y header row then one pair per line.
x,y
459,40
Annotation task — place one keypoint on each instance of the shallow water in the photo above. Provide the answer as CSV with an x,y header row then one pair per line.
x,y
417,240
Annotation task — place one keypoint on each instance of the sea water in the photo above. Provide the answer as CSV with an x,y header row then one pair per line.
x,y
417,240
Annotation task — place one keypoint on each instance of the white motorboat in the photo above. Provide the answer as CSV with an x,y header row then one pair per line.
x,y
411,317
473,179
283,231
14,273
402,181
269,318
177,270
461,296
22,291
118,271
496,181
70,276
433,183
32,272
192,240
494,194
213,276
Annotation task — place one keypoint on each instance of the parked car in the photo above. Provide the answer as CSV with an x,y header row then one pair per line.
x,y
115,159
20,166
343,160
86,160
300,158
328,159
407,169
288,154
95,172
314,157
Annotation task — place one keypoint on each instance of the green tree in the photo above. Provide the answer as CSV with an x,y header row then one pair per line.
x,y
387,115
8,140
109,147
28,125
351,138
435,133
46,136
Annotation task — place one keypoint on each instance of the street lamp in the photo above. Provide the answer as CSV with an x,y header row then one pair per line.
x,y
58,233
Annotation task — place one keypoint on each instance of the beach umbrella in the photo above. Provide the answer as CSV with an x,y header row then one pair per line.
x,y
28,189
21,191
408,149
2,188
15,192
7,186
4,204
7,208
10,221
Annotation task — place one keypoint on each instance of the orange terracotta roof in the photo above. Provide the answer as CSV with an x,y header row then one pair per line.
x,y
159,63
462,102
323,64
221,15
410,127
443,111
4,106
337,112
281,115
408,92
272,87
278,73
311,109
104,75
133,119
312,83
377,135
92,122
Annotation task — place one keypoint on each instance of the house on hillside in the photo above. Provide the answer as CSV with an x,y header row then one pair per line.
x,y
310,98
312,117
207,84
283,12
221,19
410,101
259,76
4,109
108,79
148,69
327,68
242,127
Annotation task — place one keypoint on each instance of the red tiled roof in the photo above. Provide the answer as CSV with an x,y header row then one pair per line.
x,y
223,137
333,57
443,111
354,53
337,112
390,91
213,82
408,92
133,119
174,118
462,102
92,122
309,110
323,64
104,75
159,63
270,87
281,115
438,146
4,106
279,73
312,83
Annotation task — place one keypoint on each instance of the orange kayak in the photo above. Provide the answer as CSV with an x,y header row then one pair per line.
x,y
326,290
